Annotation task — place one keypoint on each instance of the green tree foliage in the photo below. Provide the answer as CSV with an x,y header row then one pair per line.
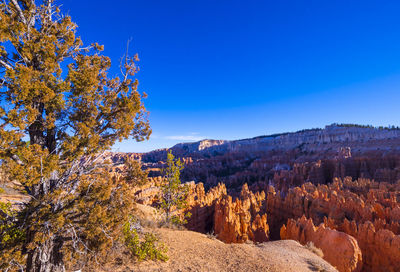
x,y
11,237
134,175
59,109
148,247
173,193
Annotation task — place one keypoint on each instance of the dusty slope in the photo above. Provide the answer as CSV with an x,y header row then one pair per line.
x,y
192,251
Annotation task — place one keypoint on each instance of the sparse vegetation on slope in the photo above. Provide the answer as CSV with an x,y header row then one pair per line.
x,y
145,247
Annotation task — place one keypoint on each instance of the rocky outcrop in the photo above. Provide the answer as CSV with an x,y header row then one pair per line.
x,y
340,249
232,221
351,200
202,207
380,247
242,219
367,210
200,145
285,169
364,209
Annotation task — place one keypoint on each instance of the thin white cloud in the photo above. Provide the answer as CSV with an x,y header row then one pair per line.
x,y
185,138
154,136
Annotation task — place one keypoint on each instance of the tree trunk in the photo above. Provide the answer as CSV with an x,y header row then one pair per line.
x,y
51,140
47,257
36,129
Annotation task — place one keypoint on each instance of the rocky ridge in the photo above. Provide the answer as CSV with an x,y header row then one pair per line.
x,y
311,138
287,160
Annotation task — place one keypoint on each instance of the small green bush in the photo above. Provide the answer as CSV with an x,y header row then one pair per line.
x,y
147,248
179,220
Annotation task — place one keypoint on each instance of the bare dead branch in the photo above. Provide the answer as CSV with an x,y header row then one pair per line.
x,y
5,65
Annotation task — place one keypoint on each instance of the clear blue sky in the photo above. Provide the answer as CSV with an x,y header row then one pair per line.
x,y
231,69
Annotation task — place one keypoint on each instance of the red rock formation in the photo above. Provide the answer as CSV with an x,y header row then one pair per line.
x,y
380,246
340,249
202,207
147,195
242,219
365,203
232,221
372,208
338,201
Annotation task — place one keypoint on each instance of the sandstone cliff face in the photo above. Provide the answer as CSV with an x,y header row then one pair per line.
x,y
202,207
232,221
380,247
241,220
340,249
364,209
289,168
333,134
200,146
338,201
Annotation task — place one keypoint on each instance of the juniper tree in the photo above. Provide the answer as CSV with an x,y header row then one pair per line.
x,y
59,109
134,175
173,193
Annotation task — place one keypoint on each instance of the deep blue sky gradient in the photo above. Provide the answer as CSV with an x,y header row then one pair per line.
x,y
231,69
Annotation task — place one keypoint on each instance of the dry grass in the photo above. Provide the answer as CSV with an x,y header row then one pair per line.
x,y
148,223
317,251
211,235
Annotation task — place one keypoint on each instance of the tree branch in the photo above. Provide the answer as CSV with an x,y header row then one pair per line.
x,y
20,12
5,64
3,83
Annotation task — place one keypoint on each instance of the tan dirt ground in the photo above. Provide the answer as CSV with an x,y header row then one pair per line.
x,y
192,251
